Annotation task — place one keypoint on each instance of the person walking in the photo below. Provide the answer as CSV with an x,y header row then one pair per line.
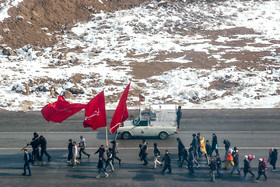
x,y
273,155
227,146
26,159
208,152
179,116
100,167
214,144
194,158
185,156
180,148
156,155
115,151
167,163
199,151
101,152
236,163
75,154
191,161
261,170
109,160
82,145
35,146
213,167
43,144
219,166
195,146
70,152
144,152
229,159
247,167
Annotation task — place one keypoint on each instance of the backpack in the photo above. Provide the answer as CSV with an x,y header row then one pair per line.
x,y
31,158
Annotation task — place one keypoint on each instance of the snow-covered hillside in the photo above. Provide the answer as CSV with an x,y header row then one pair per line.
x,y
218,55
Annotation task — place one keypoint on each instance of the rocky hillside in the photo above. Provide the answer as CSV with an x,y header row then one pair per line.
x,y
32,20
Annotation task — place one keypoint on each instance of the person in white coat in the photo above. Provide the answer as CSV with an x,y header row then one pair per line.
x,y
75,154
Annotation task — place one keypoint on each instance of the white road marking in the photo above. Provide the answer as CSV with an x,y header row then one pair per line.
x,y
137,148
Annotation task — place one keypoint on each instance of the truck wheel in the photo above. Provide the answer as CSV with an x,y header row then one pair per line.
x,y
163,135
125,135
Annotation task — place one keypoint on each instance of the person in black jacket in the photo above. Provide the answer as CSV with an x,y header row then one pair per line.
x,y
26,163
213,167
109,160
167,162
144,152
35,146
180,148
191,161
247,167
219,166
214,144
70,152
156,155
236,162
273,155
179,116
195,145
199,151
43,144
261,170
115,151
208,152
101,151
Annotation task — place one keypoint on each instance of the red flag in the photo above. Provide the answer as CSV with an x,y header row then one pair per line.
x,y
60,110
95,113
121,113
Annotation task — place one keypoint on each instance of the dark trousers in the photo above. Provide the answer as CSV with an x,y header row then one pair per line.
x,y
82,150
182,162
144,158
27,165
249,171
70,155
167,166
190,167
273,163
35,153
44,151
219,172
178,122
115,157
216,150
179,155
261,173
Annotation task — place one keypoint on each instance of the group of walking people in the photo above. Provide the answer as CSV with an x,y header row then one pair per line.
x,y
196,151
106,158
36,143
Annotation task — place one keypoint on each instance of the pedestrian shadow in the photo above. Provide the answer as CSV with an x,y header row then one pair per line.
x,y
143,177
80,176
9,174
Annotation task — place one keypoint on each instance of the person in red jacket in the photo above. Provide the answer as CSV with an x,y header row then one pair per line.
x,y
261,170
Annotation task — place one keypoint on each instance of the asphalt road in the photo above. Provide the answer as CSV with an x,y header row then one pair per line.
x,y
253,131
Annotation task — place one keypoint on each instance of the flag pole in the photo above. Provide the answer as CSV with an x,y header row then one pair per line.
x,y
116,135
106,136
42,134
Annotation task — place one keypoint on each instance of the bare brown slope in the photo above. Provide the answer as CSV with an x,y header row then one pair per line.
x,y
55,15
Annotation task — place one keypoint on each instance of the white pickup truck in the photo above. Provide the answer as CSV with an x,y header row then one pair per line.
x,y
157,123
